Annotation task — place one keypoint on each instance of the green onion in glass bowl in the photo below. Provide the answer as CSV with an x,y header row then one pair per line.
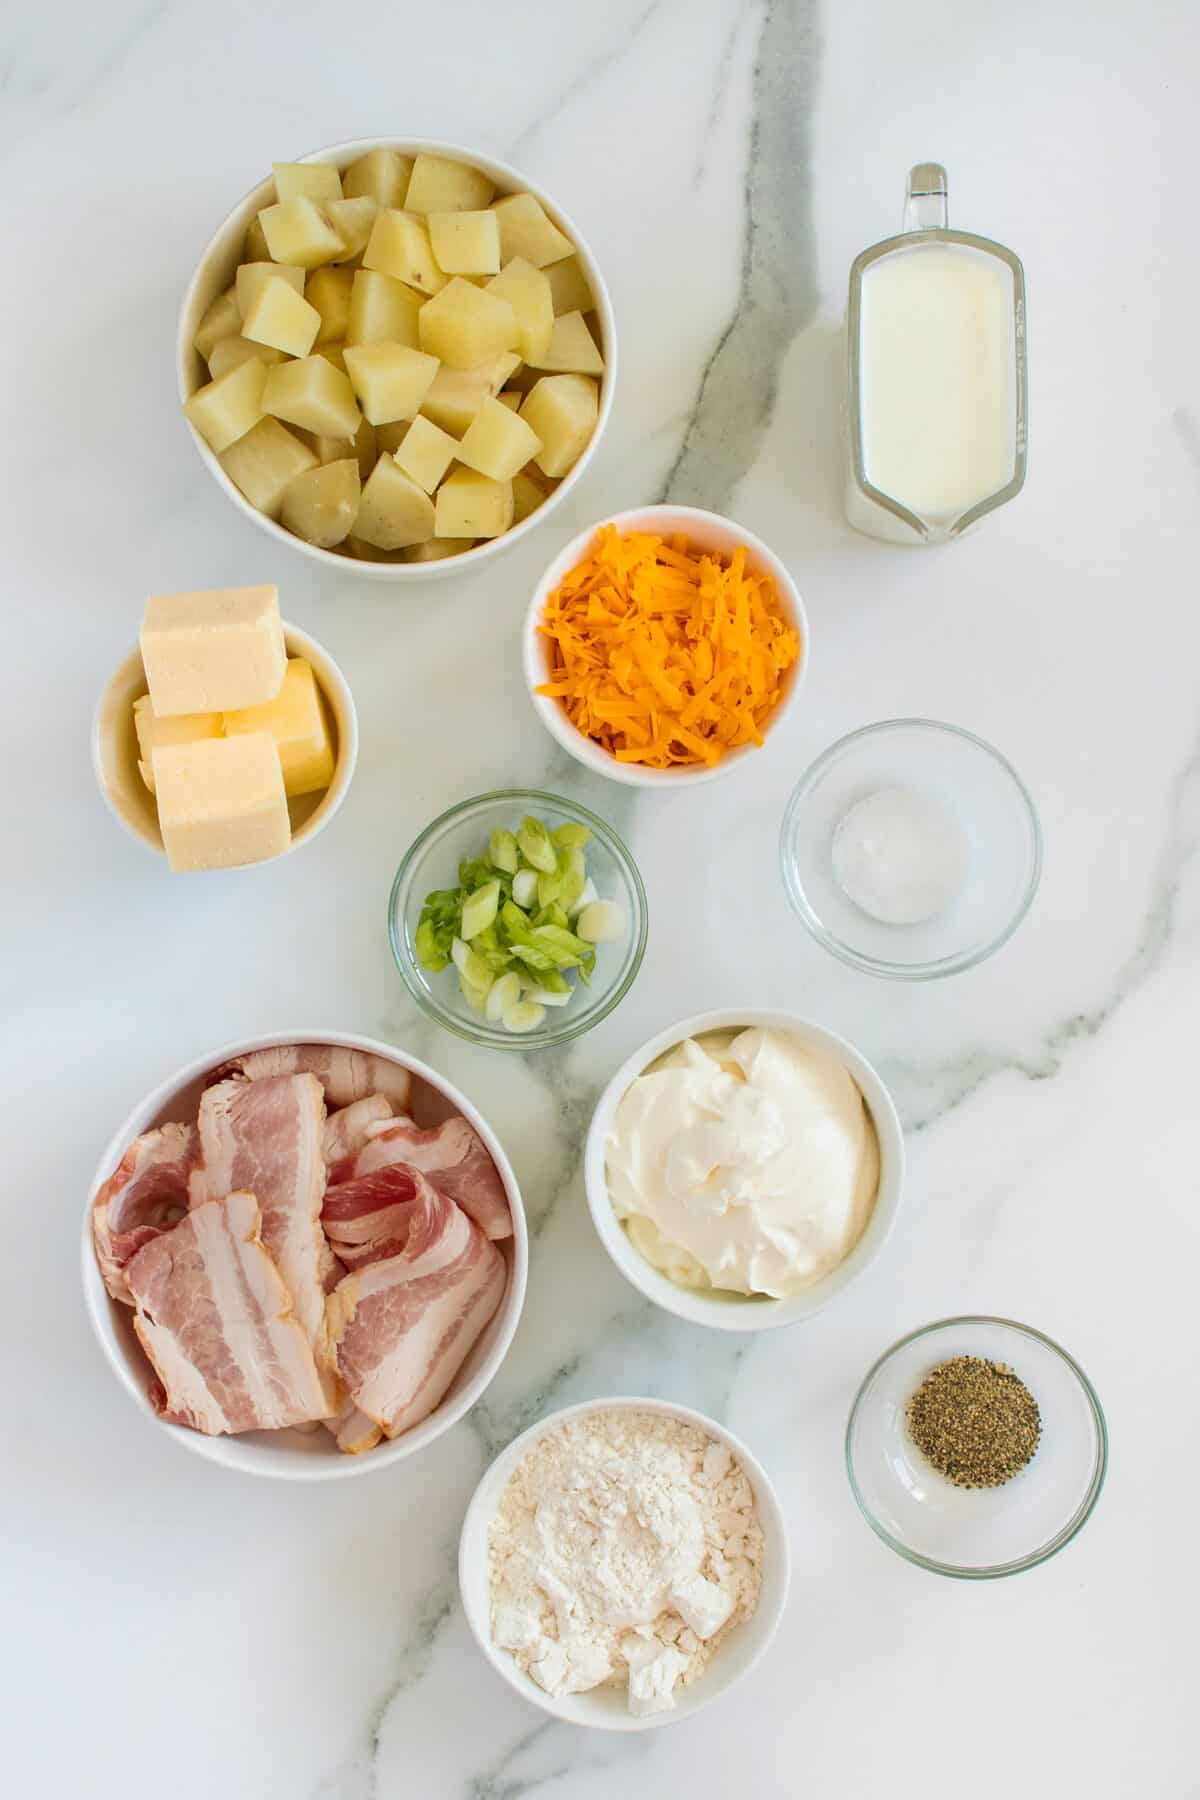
x,y
518,919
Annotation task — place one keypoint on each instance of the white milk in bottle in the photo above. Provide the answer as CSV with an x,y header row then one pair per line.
x,y
936,329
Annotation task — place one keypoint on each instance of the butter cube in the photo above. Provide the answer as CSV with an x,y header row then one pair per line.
x,y
213,650
297,722
153,732
221,801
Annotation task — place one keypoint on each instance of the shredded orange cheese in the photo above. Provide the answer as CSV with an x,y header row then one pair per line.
x,y
663,655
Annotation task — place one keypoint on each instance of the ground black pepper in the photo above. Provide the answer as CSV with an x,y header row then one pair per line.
x,y
975,1421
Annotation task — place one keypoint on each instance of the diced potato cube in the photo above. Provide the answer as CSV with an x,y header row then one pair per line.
x,y
569,288
435,549
530,488
352,220
221,320
363,448
465,243
329,291
221,802
528,293
313,394
399,245
390,380
439,184
263,462
463,325
563,410
152,731
498,442
255,247
281,317
382,310
251,278
457,394
473,505
381,174
320,181
426,452
361,551
321,504
394,512
511,398
389,437
526,231
298,722
224,410
334,353
229,352
299,231
572,349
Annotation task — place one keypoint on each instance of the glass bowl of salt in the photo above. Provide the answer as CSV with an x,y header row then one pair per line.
x,y
911,849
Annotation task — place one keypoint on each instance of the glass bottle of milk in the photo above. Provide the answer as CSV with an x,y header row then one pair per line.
x,y
936,341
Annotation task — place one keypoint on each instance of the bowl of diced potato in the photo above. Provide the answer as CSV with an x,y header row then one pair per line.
x,y
396,355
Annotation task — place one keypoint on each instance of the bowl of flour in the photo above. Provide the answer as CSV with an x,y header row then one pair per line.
x,y
623,1562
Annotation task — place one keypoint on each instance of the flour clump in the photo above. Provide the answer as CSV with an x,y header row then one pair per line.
x,y
625,1547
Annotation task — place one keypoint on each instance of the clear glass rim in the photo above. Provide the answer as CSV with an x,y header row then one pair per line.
x,y
1062,1537
549,1035
859,959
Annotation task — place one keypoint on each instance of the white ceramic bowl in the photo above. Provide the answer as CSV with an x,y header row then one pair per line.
x,y
216,270
115,752
713,533
606,1708
300,1455
730,1313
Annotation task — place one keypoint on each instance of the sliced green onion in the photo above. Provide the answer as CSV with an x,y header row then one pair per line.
x,y
548,888
541,996
480,909
428,953
601,922
532,957
525,887
571,836
503,993
585,899
476,998
502,849
572,876
536,847
471,965
526,1015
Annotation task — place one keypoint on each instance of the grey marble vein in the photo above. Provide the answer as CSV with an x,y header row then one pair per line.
x,y
777,293
596,66
716,105
928,1095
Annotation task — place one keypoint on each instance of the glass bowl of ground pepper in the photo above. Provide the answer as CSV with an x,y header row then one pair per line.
x,y
976,1447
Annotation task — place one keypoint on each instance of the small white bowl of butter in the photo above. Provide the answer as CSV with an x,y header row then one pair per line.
x,y
115,749
873,1186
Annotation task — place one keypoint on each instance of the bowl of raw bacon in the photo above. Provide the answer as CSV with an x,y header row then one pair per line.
x,y
663,647
305,1256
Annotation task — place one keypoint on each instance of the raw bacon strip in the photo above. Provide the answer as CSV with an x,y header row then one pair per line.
x,y
216,1322
452,1156
345,1131
374,1217
401,1329
146,1194
346,1075
265,1136
353,1430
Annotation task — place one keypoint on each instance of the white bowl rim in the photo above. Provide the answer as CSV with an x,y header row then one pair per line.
x,y
504,173
772,1597
645,518
255,1459
329,675
747,1315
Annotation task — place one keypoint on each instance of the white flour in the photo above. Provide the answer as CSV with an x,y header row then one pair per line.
x,y
625,1547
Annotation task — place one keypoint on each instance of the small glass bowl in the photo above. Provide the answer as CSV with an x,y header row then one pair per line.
x,y
979,789
432,862
977,1534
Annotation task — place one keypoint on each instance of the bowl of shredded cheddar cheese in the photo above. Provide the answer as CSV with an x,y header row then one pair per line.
x,y
663,646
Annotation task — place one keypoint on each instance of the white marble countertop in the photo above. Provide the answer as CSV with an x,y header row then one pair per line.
x,y
176,1629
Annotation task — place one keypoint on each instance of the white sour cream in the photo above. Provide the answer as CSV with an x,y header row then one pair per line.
x,y
745,1161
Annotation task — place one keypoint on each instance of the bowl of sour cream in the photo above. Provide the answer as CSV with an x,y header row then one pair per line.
x,y
742,1168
